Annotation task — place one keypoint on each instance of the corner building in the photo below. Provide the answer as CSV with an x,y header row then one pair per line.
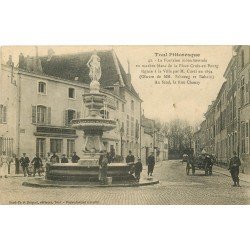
x,y
41,96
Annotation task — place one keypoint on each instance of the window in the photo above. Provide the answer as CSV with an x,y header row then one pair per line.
x,y
3,114
247,138
42,88
41,115
123,108
70,114
132,126
56,145
242,91
233,76
243,133
127,124
137,129
234,106
72,94
132,105
242,59
70,147
117,105
104,112
41,147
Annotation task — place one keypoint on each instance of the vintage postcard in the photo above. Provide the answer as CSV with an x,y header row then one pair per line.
x,y
133,125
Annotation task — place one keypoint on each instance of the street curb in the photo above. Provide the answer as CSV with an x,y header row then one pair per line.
x,y
228,175
44,185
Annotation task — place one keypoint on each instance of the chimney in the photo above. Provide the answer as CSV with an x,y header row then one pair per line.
x,y
50,54
22,64
10,62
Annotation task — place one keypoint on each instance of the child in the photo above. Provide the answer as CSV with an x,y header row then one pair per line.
x,y
138,169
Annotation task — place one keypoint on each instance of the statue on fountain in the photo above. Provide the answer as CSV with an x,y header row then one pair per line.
x,y
95,67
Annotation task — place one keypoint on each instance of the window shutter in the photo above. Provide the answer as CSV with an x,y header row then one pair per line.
x,y
1,113
78,114
34,114
66,118
74,115
4,114
49,115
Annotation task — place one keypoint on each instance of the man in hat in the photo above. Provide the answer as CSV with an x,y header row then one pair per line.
x,y
130,159
103,167
37,162
234,167
24,161
138,169
64,159
54,158
151,164
75,158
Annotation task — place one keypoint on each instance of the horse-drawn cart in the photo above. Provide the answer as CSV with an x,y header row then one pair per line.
x,y
201,162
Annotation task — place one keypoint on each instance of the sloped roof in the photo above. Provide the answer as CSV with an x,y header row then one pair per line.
x,y
148,125
69,66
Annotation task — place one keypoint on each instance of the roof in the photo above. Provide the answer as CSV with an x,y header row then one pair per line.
x,y
148,125
70,66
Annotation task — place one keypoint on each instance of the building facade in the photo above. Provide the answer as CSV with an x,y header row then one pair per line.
x,y
41,96
227,119
153,140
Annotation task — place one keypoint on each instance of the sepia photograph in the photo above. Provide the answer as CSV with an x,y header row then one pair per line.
x,y
125,125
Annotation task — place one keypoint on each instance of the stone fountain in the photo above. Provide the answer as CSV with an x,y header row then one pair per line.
x,y
87,168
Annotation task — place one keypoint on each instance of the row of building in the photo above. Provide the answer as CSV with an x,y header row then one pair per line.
x,y
41,95
226,125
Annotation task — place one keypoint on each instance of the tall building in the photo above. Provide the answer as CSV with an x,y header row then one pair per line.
x,y
227,119
41,96
220,125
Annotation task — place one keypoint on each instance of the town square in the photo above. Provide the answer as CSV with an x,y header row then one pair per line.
x,y
78,127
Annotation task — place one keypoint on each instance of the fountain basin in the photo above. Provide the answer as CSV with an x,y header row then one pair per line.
x,y
78,172
94,124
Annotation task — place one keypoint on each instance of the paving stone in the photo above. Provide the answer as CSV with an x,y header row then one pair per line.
x,y
175,187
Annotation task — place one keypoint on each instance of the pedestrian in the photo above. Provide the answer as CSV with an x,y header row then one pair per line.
x,y
15,162
64,159
109,157
103,167
37,162
24,161
47,159
208,162
151,164
138,169
130,159
112,153
75,158
234,168
4,165
54,158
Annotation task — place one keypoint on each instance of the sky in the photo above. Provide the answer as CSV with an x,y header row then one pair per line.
x,y
161,102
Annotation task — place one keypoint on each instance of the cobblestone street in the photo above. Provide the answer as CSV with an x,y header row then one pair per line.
x,y
175,187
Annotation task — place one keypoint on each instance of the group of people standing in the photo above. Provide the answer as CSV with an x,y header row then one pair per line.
x,y
136,167
25,162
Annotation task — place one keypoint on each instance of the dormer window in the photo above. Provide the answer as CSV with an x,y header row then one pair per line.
x,y
42,88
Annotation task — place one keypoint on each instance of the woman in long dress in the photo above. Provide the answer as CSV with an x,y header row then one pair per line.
x,y
4,165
